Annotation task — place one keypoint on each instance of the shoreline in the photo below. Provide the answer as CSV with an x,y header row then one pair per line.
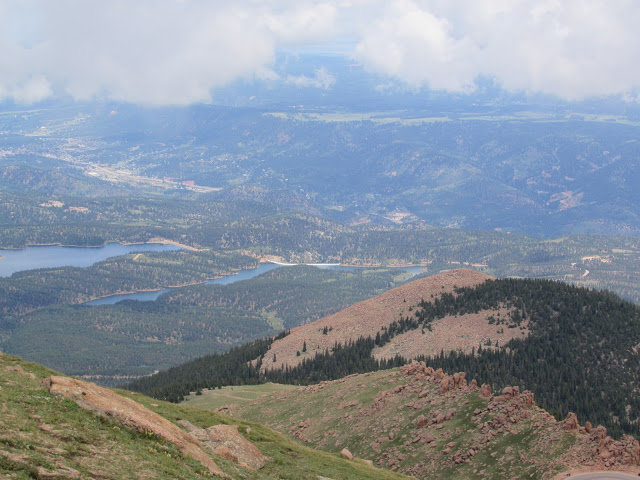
x,y
149,290
283,264
151,241
350,265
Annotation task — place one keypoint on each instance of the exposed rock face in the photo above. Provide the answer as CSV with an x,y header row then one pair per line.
x,y
625,451
507,392
226,441
131,414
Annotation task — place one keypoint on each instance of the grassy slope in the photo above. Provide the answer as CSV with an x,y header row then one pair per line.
x,y
221,397
532,448
42,435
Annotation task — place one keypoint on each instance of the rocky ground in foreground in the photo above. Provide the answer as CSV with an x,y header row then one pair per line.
x,y
429,424
53,426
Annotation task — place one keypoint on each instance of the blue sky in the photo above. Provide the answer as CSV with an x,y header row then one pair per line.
x,y
177,51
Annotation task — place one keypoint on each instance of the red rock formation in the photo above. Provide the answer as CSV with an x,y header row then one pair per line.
x,y
485,390
131,414
571,422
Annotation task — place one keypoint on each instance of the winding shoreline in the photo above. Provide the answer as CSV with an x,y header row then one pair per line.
x,y
151,241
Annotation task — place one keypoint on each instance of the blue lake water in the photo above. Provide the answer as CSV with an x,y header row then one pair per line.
x,y
240,275
54,256
150,296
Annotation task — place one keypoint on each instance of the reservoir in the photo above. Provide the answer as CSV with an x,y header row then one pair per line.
x,y
241,275
50,256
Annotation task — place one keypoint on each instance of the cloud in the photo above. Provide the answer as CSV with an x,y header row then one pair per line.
x,y
177,51
571,48
149,51
322,79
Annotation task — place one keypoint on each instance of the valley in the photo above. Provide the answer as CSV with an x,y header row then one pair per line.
x,y
319,240
493,204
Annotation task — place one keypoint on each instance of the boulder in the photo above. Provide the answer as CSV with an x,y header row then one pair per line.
x,y
507,392
571,422
449,414
427,438
246,454
421,421
345,453
527,399
485,391
444,385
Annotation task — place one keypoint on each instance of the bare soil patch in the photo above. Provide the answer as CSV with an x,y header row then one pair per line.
x,y
365,318
459,333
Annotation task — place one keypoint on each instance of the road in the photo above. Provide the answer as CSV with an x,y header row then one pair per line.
x,y
603,476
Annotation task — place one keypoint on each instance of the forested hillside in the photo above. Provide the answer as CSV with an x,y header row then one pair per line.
x,y
134,338
581,354
267,224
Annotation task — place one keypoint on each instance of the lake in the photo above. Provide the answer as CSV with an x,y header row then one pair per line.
x,y
49,256
240,275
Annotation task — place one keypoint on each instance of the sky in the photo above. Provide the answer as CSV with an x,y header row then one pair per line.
x,y
177,52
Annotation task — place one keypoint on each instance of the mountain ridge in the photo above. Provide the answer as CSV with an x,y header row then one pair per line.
x,y
364,318
430,424
575,348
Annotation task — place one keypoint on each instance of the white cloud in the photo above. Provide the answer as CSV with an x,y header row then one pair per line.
x,y
149,51
176,51
570,48
322,79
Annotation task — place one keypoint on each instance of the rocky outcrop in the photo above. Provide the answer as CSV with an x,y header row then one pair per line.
x,y
435,405
571,422
227,442
485,390
131,414
345,453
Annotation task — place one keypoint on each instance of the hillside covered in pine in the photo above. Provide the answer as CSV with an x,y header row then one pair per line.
x,y
577,350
